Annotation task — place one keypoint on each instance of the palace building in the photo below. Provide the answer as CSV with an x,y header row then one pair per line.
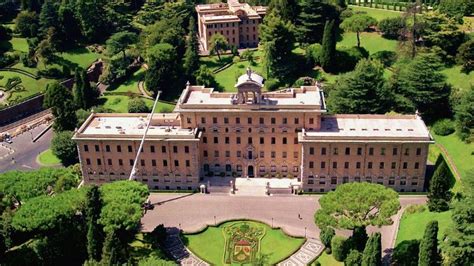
x,y
252,133
238,22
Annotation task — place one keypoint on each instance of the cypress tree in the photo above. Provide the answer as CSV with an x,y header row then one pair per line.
x,y
372,255
94,230
90,93
359,238
329,46
78,90
439,194
191,56
429,255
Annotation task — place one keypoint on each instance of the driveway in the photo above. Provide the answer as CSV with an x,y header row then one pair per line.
x,y
24,150
294,214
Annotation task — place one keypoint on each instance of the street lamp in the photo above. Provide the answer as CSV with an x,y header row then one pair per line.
x,y
215,220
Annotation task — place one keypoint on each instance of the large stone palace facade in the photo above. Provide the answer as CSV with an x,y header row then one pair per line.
x,y
251,133
238,22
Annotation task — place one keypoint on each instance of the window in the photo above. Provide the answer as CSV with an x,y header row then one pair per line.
x,y
109,161
417,165
238,140
153,162
262,154
88,161
295,155
391,182
295,141
107,148
394,151
273,140
249,120
96,148
226,120
335,151
216,139
405,165
297,121
323,151
237,120
163,149
188,120
284,154
323,165
346,165
249,140
348,151
285,120
262,121
273,120
203,120
86,148
262,140
334,165
273,154
204,140
175,149
188,163
165,163
310,181
403,182
120,161
99,162
371,151
227,154
176,163
394,165
382,151
214,120
152,149
130,162
216,153
382,165
311,164
333,180
204,153
407,151
418,151
142,162
358,165
369,165
311,121
227,140
284,141
239,154
359,151
186,149
311,150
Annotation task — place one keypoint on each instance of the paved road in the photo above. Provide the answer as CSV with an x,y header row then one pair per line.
x,y
192,212
25,151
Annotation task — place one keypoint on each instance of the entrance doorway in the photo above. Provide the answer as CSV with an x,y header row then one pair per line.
x,y
250,171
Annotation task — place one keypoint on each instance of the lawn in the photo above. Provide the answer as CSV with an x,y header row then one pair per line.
x,y
328,260
413,224
377,13
140,248
459,79
19,44
119,104
81,57
228,77
461,153
209,245
47,158
131,85
32,86
372,41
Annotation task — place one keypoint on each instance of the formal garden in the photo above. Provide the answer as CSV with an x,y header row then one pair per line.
x,y
242,243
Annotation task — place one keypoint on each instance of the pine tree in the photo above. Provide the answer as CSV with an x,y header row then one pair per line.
x,y
287,10
94,229
61,102
329,46
372,255
311,21
429,255
439,193
191,56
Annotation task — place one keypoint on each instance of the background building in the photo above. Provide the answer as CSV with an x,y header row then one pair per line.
x,y
282,134
238,22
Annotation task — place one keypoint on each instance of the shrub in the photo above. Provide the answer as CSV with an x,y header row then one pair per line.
x,y
338,247
391,27
272,84
52,73
354,258
313,53
347,58
443,127
137,105
387,58
64,147
406,253
326,235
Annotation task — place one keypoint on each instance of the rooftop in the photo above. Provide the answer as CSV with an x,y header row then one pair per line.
x,y
370,127
230,12
163,126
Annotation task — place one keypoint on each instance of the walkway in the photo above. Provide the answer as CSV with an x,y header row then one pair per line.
x,y
308,252
176,249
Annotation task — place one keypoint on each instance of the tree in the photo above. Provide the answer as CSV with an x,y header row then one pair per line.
x,y
464,114
162,74
442,31
218,43
137,105
465,56
164,31
65,148
372,255
392,27
90,93
60,100
359,238
120,42
328,52
26,23
247,54
362,91
339,248
423,86
287,10
456,9
354,258
406,253
326,235
311,19
48,17
439,193
78,91
429,255
46,48
205,77
191,56
94,230
354,205
277,40
8,10
358,23
92,29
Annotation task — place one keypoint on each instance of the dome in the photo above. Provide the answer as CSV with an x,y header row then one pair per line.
x,y
250,78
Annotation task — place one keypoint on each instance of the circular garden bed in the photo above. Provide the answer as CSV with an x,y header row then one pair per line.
x,y
242,242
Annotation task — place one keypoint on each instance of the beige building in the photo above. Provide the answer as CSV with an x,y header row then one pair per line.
x,y
238,22
282,134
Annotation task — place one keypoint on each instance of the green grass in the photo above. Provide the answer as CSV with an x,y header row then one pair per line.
x,y
47,158
119,104
458,79
140,249
131,85
433,153
461,153
412,225
328,260
210,244
31,85
19,44
82,57
371,41
376,13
